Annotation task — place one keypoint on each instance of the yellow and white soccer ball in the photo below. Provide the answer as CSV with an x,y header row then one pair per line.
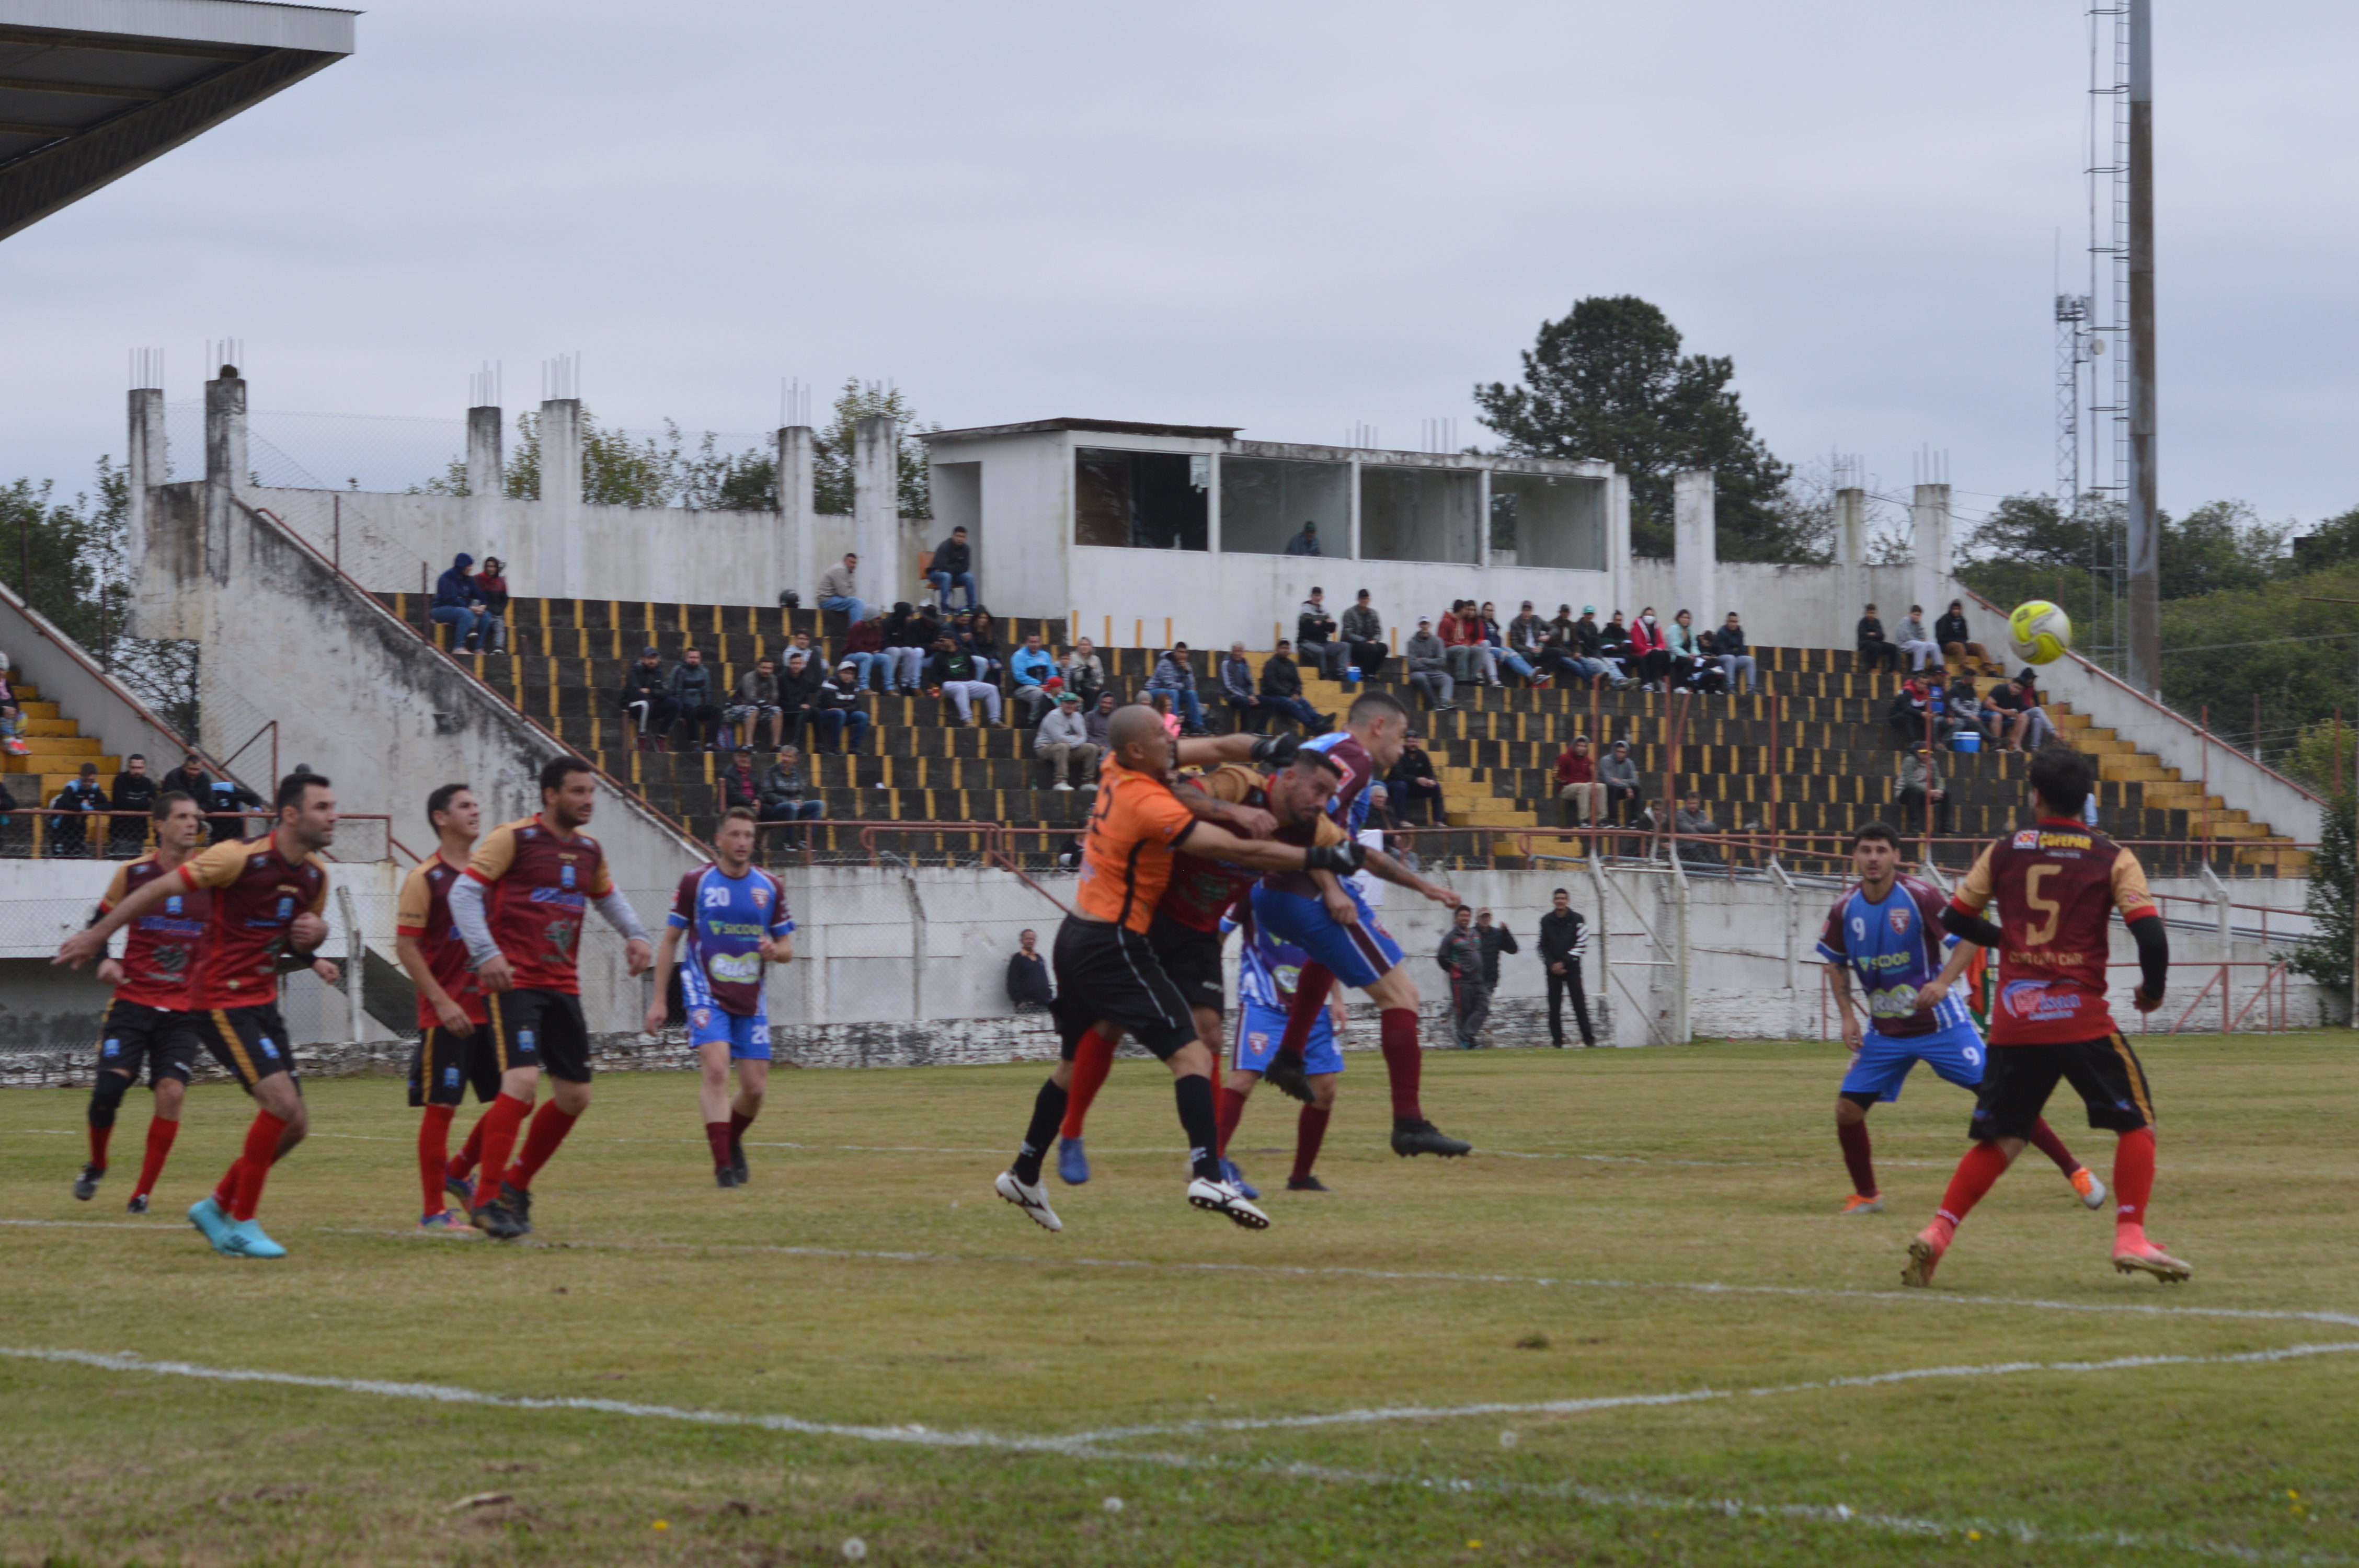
x,y
2041,632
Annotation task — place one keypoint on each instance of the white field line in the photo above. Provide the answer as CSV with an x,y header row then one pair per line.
x,y
914,1435
1308,1272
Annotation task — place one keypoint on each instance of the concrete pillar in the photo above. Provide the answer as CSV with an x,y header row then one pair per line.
x,y
1695,567
797,512
560,496
1482,527
885,577
152,603
486,478
1851,554
225,464
1929,531
1617,546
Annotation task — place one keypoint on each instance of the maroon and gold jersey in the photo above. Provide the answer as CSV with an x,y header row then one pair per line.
x,y
424,913
1202,890
258,893
159,949
2057,887
538,886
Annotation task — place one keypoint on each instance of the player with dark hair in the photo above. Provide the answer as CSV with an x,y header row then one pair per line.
x,y
735,919
266,919
451,1053
1106,969
1268,973
1887,929
519,908
1325,917
147,1024
2056,883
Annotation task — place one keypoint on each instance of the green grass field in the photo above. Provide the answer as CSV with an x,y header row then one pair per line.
x,y
1632,1329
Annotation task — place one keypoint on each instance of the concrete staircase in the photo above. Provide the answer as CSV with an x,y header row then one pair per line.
x,y
58,750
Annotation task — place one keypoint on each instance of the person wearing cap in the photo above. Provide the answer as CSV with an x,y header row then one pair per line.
x,y
647,699
1363,637
1305,543
1429,667
837,708
755,699
1063,741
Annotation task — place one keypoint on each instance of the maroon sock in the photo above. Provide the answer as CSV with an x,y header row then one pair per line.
x,y
2044,1138
1853,1136
1403,1062
433,1147
160,1134
717,1134
1233,1108
739,1121
1311,987
1309,1132
550,1123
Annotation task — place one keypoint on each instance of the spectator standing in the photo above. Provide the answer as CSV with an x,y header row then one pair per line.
x,y
133,791
1564,942
1414,790
1098,719
1175,676
1873,647
491,593
1917,642
1063,741
455,604
1314,635
908,640
1461,957
1496,939
646,697
1618,772
68,832
863,650
1429,668
1921,781
1029,670
1305,541
786,796
951,673
1363,637
1237,687
1957,643
1735,654
838,589
840,709
1281,694
952,567
1692,821
691,691
1577,788
755,700
1028,976
1085,676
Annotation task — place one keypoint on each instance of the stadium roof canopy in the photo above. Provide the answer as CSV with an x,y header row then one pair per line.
x,y
92,89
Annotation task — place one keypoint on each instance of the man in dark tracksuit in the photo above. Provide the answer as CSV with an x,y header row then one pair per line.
x,y
1565,939
1496,939
1461,957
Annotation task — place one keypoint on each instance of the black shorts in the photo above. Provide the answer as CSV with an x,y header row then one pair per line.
x,y
2018,1080
539,1029
1111,972
251,1041
1192,959
134,1035
442,1064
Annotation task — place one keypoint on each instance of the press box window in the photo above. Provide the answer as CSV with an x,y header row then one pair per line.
x,y
1142,501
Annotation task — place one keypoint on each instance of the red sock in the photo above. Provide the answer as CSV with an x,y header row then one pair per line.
x,y
433,1150
717,1134
1984,1163
2132,1179
739,1121
1403,1060
253,1166
1232,1106
1309,1132
1310,988
225,1190
472,1149
2044,1138
160,1134
98,1137
550,1125
1092,1060
497,1128
1853,1136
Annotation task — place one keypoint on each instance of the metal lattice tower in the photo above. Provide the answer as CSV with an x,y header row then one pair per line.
x,y
2071,312
2105,333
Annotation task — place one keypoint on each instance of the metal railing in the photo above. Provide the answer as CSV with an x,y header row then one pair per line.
x,y
58,833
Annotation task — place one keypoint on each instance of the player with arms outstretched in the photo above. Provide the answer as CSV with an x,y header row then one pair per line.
x,y
267,897
519,908
1888,931
147,1024
453,1015
734,920
2058,885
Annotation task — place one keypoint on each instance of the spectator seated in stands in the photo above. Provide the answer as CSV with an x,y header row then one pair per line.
x,y
755,701
1085,674
455,604
69,833
951,673
2032,729
692,693
1281,694
979,636
1966,708
1064,742
491,593
737,785
11,714
223,801
134,790
908,642
1429,668
1237,694
1921,783
1698,840
1175,676
1958,644
839,589
1413,787
1650,649
1494,637
1305,541
1615,646
1695,662
798,698
838,712
1469,651
646,697
1027,674
1028,986
1917,642
1873,649
1577,785
1734,654
1618,772
1912,709
1527,642
864,649
952,567
786,796
1161,702
1099,721
1363,638
1315,637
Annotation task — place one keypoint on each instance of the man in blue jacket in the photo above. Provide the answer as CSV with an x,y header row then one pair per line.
x,y
457,604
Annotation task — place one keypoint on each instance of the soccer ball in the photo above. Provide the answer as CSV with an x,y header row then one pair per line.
x,y
2041,632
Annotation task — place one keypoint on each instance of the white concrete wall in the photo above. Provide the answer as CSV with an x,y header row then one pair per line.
x,y
1783,607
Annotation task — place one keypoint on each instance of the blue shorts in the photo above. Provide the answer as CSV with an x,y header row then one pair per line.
x,y
1883,1063
1259,1030
747,1036
1357,955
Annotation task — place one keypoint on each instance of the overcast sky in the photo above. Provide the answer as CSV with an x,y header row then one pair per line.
x,y
1290,217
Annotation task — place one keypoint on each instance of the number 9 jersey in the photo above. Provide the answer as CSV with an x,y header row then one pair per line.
x,y
2057,886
